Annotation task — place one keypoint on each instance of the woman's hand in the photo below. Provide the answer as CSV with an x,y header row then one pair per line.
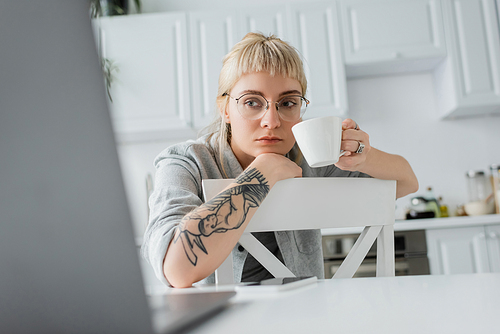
x,y
352,138
374,162
276,167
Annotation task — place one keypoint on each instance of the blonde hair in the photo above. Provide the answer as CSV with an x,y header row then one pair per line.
x,y
254,53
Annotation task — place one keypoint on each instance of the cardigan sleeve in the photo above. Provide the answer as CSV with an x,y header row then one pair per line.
x,y
177,191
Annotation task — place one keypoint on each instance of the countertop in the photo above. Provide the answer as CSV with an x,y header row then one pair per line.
x,y
427,224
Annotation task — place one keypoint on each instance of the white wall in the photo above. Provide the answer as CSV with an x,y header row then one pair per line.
x,y
399,114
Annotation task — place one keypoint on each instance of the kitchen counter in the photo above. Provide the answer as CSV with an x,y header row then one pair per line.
x,y
426,224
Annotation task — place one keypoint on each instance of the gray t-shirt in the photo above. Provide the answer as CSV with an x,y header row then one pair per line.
x,y
180,170
253,271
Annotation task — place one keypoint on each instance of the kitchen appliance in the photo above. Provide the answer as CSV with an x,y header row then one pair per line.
x,y
421,207
410,250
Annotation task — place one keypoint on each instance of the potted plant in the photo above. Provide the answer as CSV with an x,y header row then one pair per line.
x,y
111,7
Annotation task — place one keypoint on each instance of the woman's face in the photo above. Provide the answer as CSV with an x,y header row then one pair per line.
x,y
268,134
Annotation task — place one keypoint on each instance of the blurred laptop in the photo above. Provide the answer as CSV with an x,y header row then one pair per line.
x,y
68,260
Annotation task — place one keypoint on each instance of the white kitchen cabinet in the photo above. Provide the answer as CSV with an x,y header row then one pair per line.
x,y
493,243
391,36
212,34
150,92
271,20
468,82
463,250
315,33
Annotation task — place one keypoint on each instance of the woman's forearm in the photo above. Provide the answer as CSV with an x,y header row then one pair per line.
x,y
387,166
206,236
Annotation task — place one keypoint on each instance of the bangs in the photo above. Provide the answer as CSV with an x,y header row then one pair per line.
x,y
268,57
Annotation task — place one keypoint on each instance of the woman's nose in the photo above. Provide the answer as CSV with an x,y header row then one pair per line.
x,y
271,118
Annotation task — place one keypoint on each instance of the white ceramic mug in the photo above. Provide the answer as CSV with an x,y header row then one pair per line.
x,y
319,140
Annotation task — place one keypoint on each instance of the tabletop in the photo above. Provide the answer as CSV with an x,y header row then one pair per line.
x,y
406,304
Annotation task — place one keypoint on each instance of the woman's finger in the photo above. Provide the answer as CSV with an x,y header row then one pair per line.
x,y
348,124
349,145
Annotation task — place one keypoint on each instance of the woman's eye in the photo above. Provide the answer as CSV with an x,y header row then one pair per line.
x,y
288,104
252,104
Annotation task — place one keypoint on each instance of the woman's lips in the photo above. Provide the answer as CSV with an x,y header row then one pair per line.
x,y
269,140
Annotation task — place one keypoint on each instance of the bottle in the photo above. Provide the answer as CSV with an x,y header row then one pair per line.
x,y
443,209
432,203
495,185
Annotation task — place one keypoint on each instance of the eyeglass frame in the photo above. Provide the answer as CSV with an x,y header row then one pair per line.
x,y
267,103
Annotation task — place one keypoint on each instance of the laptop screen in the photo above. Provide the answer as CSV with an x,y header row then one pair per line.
x,y
68,261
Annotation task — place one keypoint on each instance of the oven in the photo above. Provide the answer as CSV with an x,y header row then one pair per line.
x,y
410,250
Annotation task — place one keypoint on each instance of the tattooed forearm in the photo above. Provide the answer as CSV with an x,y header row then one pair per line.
x,y
227,211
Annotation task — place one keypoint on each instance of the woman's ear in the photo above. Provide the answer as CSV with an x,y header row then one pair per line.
x,y
225,114
224,110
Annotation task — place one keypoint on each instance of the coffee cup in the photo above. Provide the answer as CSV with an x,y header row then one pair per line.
x,y
319,140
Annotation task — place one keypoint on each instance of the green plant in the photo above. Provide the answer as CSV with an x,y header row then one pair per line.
x,y
108,68
111,7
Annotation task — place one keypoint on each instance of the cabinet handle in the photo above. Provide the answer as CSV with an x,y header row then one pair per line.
x,y
493,235
397,55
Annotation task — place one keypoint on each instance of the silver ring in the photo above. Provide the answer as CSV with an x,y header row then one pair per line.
x,y
356,127
361,147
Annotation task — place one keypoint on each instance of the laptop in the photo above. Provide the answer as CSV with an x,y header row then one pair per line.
x,y
68,259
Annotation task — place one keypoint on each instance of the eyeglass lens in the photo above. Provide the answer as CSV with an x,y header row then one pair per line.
x,y
290,108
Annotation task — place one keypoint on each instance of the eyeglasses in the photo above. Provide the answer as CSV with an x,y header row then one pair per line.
x,y
253,106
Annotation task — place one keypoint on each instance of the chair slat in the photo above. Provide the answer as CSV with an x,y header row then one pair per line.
x,y
358,252
385,252
264,256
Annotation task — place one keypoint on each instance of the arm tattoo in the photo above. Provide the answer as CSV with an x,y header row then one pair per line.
x,y
227,211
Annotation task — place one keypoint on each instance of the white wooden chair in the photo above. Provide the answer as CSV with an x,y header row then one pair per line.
x,y
303,203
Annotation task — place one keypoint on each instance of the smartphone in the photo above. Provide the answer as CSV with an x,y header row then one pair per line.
x,y
278,284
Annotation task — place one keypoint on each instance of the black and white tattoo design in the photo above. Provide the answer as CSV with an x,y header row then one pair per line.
x,y
227,211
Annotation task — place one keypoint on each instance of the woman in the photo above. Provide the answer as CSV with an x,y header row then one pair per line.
x,y
260,97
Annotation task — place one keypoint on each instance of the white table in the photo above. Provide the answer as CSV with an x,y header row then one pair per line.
x,y
406,304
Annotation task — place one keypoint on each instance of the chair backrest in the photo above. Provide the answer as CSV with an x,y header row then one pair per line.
x,y
320,203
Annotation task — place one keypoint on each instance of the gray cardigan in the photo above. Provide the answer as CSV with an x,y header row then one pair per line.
x,y
177,191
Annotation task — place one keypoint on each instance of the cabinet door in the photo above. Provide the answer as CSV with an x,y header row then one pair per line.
x,y
457,251
315,33
493,241
377,31
213,34
150,91
268,20
471,75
